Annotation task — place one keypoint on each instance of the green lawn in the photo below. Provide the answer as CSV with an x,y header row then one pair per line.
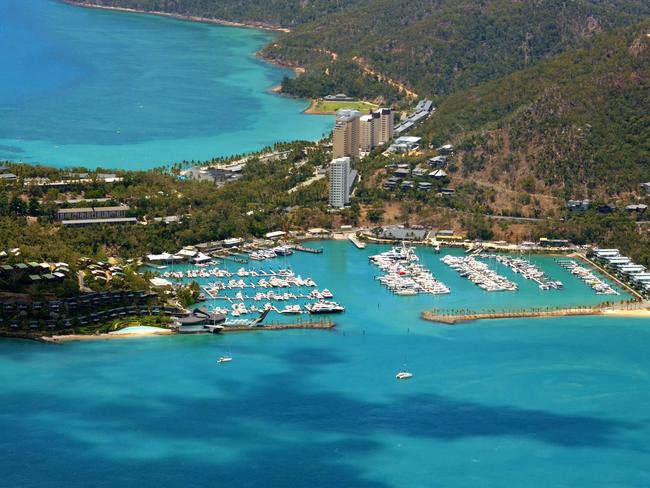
x,y
330,107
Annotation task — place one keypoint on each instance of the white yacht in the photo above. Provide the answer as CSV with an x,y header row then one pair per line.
x,y
324,307
326,293
404,375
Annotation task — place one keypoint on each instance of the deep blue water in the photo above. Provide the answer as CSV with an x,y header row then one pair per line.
x,y
536,402
97,88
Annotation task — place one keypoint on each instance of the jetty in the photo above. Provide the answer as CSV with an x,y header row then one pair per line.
x,y
308,324
355,240
311,250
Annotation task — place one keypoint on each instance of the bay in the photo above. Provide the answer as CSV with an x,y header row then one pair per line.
x,y
119,90
530,402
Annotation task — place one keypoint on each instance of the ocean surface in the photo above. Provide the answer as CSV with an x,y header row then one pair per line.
x,y
519,403
110,89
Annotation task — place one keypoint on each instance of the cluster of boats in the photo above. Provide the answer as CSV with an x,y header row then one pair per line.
x,y
479,273
272,295
264,254
404,275
240,308
528,270
586,275
217,272
284,282
320,307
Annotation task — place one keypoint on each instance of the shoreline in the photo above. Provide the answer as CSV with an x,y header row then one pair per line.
x,y
190,18
276,90
60,339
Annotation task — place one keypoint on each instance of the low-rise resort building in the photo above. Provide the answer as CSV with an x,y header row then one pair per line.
x,y
79,217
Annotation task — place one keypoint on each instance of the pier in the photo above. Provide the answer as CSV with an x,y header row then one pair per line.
x,y
308,324
311,250
355,240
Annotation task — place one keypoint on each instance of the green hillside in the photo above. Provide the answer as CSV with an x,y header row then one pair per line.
x,y
437,47
578,122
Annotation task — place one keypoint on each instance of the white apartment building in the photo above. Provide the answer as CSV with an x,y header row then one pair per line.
x,y
341,179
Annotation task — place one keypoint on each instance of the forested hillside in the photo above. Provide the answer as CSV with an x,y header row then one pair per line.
x,y
440,46
578,122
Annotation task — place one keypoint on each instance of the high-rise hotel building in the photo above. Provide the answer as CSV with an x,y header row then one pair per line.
x,y
340,182
376,129
345,136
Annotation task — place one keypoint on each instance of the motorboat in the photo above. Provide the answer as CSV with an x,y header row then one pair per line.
x,y
224,359
291,309
404,375
326,293
324,307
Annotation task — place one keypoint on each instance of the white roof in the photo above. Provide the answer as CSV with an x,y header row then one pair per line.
x,y
408,140
277,233
159,257
189,253
202,258
160,282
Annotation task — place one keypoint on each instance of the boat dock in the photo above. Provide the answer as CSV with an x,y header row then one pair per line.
x,y
307,324
355,240
479,273
311,250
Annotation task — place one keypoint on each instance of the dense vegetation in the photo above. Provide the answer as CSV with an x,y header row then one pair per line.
x,y
577,123
440,46
257,203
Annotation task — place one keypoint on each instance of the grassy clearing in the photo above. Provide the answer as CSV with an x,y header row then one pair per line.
x,y
330,107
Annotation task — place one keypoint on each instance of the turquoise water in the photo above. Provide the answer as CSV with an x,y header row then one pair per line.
x,y
97,88
536,402
359,286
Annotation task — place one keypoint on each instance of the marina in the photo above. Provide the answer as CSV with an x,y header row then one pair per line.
x,y
244,291
526,269
252,291
403,275
598,285
479,273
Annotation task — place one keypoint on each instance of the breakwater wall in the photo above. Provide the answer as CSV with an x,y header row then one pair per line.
x,y
451,317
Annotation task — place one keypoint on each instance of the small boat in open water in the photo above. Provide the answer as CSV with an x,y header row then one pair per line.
x,y
224,359
404,375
